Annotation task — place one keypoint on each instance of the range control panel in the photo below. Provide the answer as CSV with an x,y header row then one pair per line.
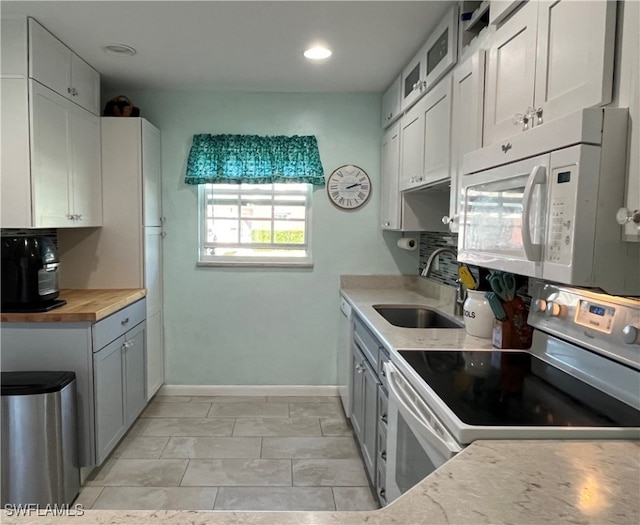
x,y
603,323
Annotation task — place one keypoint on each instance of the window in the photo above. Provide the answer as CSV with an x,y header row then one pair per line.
x,y
255,224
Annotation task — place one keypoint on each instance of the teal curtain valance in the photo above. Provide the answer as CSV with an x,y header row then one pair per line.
x,y
252,159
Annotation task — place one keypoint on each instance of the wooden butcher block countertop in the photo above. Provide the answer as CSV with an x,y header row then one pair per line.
x,y
82,306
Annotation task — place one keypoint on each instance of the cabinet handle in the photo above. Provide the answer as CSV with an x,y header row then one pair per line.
x,y
128,344
79,217
383,455
386,224
383,493
359,369
124,321
68,90
538,116
450,220
520,118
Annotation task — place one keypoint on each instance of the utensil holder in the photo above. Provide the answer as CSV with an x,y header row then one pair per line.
x,y
478,316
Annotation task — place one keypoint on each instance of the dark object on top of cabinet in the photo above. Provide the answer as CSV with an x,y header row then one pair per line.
x,y
120,106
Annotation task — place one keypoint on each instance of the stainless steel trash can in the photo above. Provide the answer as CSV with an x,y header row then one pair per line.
x,y
39,438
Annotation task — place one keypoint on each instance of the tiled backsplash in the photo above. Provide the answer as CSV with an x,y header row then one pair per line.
x,y
446,270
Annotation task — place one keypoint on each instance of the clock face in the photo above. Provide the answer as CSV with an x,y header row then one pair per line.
x,y
348,187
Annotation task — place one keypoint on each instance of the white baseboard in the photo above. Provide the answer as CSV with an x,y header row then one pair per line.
x,y
248,390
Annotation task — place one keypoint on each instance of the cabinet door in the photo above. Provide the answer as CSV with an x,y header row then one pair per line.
x,y
153,284
467,120
575,55
411,146
86,174
108,384
436,163
370,429
49,59
413,83
15,167
510,74
390,193
357,414
151,174
134,372
50,158
85,85
391,102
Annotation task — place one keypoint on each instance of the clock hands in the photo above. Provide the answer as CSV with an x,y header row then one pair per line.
x,y
353,186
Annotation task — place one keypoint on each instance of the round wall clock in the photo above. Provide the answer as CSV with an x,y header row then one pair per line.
x,y
348,187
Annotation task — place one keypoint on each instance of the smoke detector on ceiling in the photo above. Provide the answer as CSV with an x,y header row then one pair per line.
x,y
121,50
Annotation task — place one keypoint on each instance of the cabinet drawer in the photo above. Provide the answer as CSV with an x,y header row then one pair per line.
x,y
367,342
118,323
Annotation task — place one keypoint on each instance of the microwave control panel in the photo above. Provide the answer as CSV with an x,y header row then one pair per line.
x,y
562,209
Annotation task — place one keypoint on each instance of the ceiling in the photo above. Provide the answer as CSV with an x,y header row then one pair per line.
x,y
241,45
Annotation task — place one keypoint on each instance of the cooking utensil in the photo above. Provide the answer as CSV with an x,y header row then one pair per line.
x,y
496,306
466,277
503,284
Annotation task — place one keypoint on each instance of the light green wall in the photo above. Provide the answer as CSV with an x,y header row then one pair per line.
x,y
266,326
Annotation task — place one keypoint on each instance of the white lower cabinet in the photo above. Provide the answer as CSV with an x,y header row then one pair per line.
x,y
109,360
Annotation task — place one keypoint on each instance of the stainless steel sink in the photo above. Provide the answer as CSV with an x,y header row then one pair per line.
x,y
409,316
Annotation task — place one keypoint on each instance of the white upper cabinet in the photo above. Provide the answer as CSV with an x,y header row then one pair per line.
x,y
54,65
432,62
574,64
389,193
547,60
151,174
65,162
510,74
51,173
466,127
425,139
391,103
499,10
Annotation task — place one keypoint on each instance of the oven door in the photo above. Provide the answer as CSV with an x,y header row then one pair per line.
x,y
417,443
503,217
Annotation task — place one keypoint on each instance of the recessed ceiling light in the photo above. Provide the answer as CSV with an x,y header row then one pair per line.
x,y
317,53
119,50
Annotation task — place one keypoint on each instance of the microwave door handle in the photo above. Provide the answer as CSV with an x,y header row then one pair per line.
x,y
538,176
413,413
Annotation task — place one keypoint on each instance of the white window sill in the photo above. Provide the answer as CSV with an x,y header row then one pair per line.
x,y
258,264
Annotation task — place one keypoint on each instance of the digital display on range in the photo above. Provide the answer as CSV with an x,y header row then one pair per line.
x,y
598,310
564,176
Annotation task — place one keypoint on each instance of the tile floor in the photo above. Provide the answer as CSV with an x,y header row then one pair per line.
x,y
234,453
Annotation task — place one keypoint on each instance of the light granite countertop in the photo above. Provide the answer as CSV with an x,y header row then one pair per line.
x,y
362,292
490,482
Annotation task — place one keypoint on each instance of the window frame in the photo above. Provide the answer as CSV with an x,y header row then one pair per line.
x,y
305,261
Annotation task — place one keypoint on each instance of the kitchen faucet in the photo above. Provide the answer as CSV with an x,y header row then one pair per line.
x,y
460,291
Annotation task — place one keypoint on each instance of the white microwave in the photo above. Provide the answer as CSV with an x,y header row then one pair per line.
x,y
543,204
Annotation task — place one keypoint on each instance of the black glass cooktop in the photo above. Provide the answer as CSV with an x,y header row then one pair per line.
x,y
516,389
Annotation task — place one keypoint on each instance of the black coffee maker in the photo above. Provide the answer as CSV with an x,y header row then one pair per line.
x,y
29,274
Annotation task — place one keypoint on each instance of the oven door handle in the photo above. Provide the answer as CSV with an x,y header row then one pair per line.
x,y
538,176
393,374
